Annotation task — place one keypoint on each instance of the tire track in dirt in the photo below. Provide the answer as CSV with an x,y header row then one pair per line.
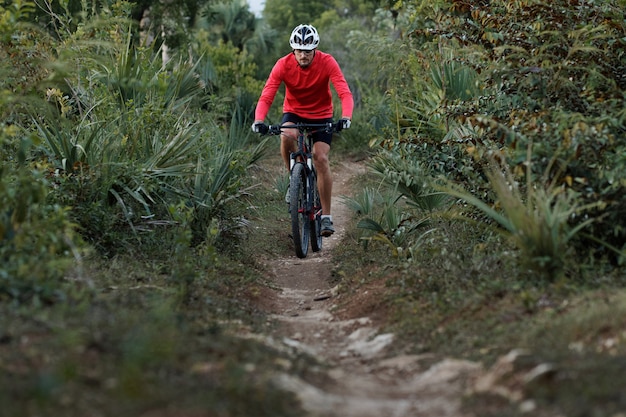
x,y
362,376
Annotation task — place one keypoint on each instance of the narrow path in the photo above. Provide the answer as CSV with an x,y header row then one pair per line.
x,y
363,378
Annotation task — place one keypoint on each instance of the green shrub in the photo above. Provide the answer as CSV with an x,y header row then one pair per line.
x,y
551,77
38,243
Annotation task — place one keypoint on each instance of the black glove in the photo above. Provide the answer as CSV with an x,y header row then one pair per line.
x,y
274,130
261,128
343,124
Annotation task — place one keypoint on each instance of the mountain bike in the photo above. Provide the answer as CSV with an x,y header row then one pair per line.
x,y
305,207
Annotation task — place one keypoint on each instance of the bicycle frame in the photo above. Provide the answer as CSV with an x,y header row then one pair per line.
x,y
304,200
304,155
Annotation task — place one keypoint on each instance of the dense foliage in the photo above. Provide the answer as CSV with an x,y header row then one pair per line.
x,y
127,142
531,90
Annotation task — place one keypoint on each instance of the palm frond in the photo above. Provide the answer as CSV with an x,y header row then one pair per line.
x,y
408,178
372,225
364,203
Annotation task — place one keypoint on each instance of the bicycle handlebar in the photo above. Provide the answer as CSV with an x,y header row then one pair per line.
x,y
329,127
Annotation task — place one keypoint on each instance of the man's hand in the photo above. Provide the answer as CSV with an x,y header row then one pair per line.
x,y
260,127
344,123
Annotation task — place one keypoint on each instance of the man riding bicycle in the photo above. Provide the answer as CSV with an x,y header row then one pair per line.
x,y
307,74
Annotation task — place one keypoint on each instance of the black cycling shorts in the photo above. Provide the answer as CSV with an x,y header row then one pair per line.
x,y
319,136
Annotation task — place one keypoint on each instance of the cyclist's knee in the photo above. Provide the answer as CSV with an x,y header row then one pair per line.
x,y
320,159
288,137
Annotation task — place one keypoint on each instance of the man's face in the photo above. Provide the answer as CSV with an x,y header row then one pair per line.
x,y
303,57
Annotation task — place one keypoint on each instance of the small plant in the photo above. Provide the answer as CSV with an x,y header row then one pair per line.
x,y
219,180
540,223
364,203
407,176
383,220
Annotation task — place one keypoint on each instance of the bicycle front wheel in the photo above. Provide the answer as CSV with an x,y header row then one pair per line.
x,y
300,225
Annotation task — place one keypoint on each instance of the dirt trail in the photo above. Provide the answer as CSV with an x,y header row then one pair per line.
x,y
363,375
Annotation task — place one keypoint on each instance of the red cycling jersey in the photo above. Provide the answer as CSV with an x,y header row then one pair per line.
x,y
307,90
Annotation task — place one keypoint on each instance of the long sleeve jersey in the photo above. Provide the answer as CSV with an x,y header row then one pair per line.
x,y
307,90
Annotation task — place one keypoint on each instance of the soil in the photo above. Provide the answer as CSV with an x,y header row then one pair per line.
x,y
363,373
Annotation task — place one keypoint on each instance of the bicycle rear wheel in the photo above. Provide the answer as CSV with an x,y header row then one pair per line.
x,y
315,220
300,225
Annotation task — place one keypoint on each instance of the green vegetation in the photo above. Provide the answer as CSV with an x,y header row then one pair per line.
x,y
135,205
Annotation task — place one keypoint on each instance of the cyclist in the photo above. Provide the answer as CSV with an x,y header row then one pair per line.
x,y
307,74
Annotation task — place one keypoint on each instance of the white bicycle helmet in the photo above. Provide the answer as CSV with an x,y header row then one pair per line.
x,y
304,37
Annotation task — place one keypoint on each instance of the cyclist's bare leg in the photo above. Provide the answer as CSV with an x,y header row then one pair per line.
x,y
288,139
324,176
